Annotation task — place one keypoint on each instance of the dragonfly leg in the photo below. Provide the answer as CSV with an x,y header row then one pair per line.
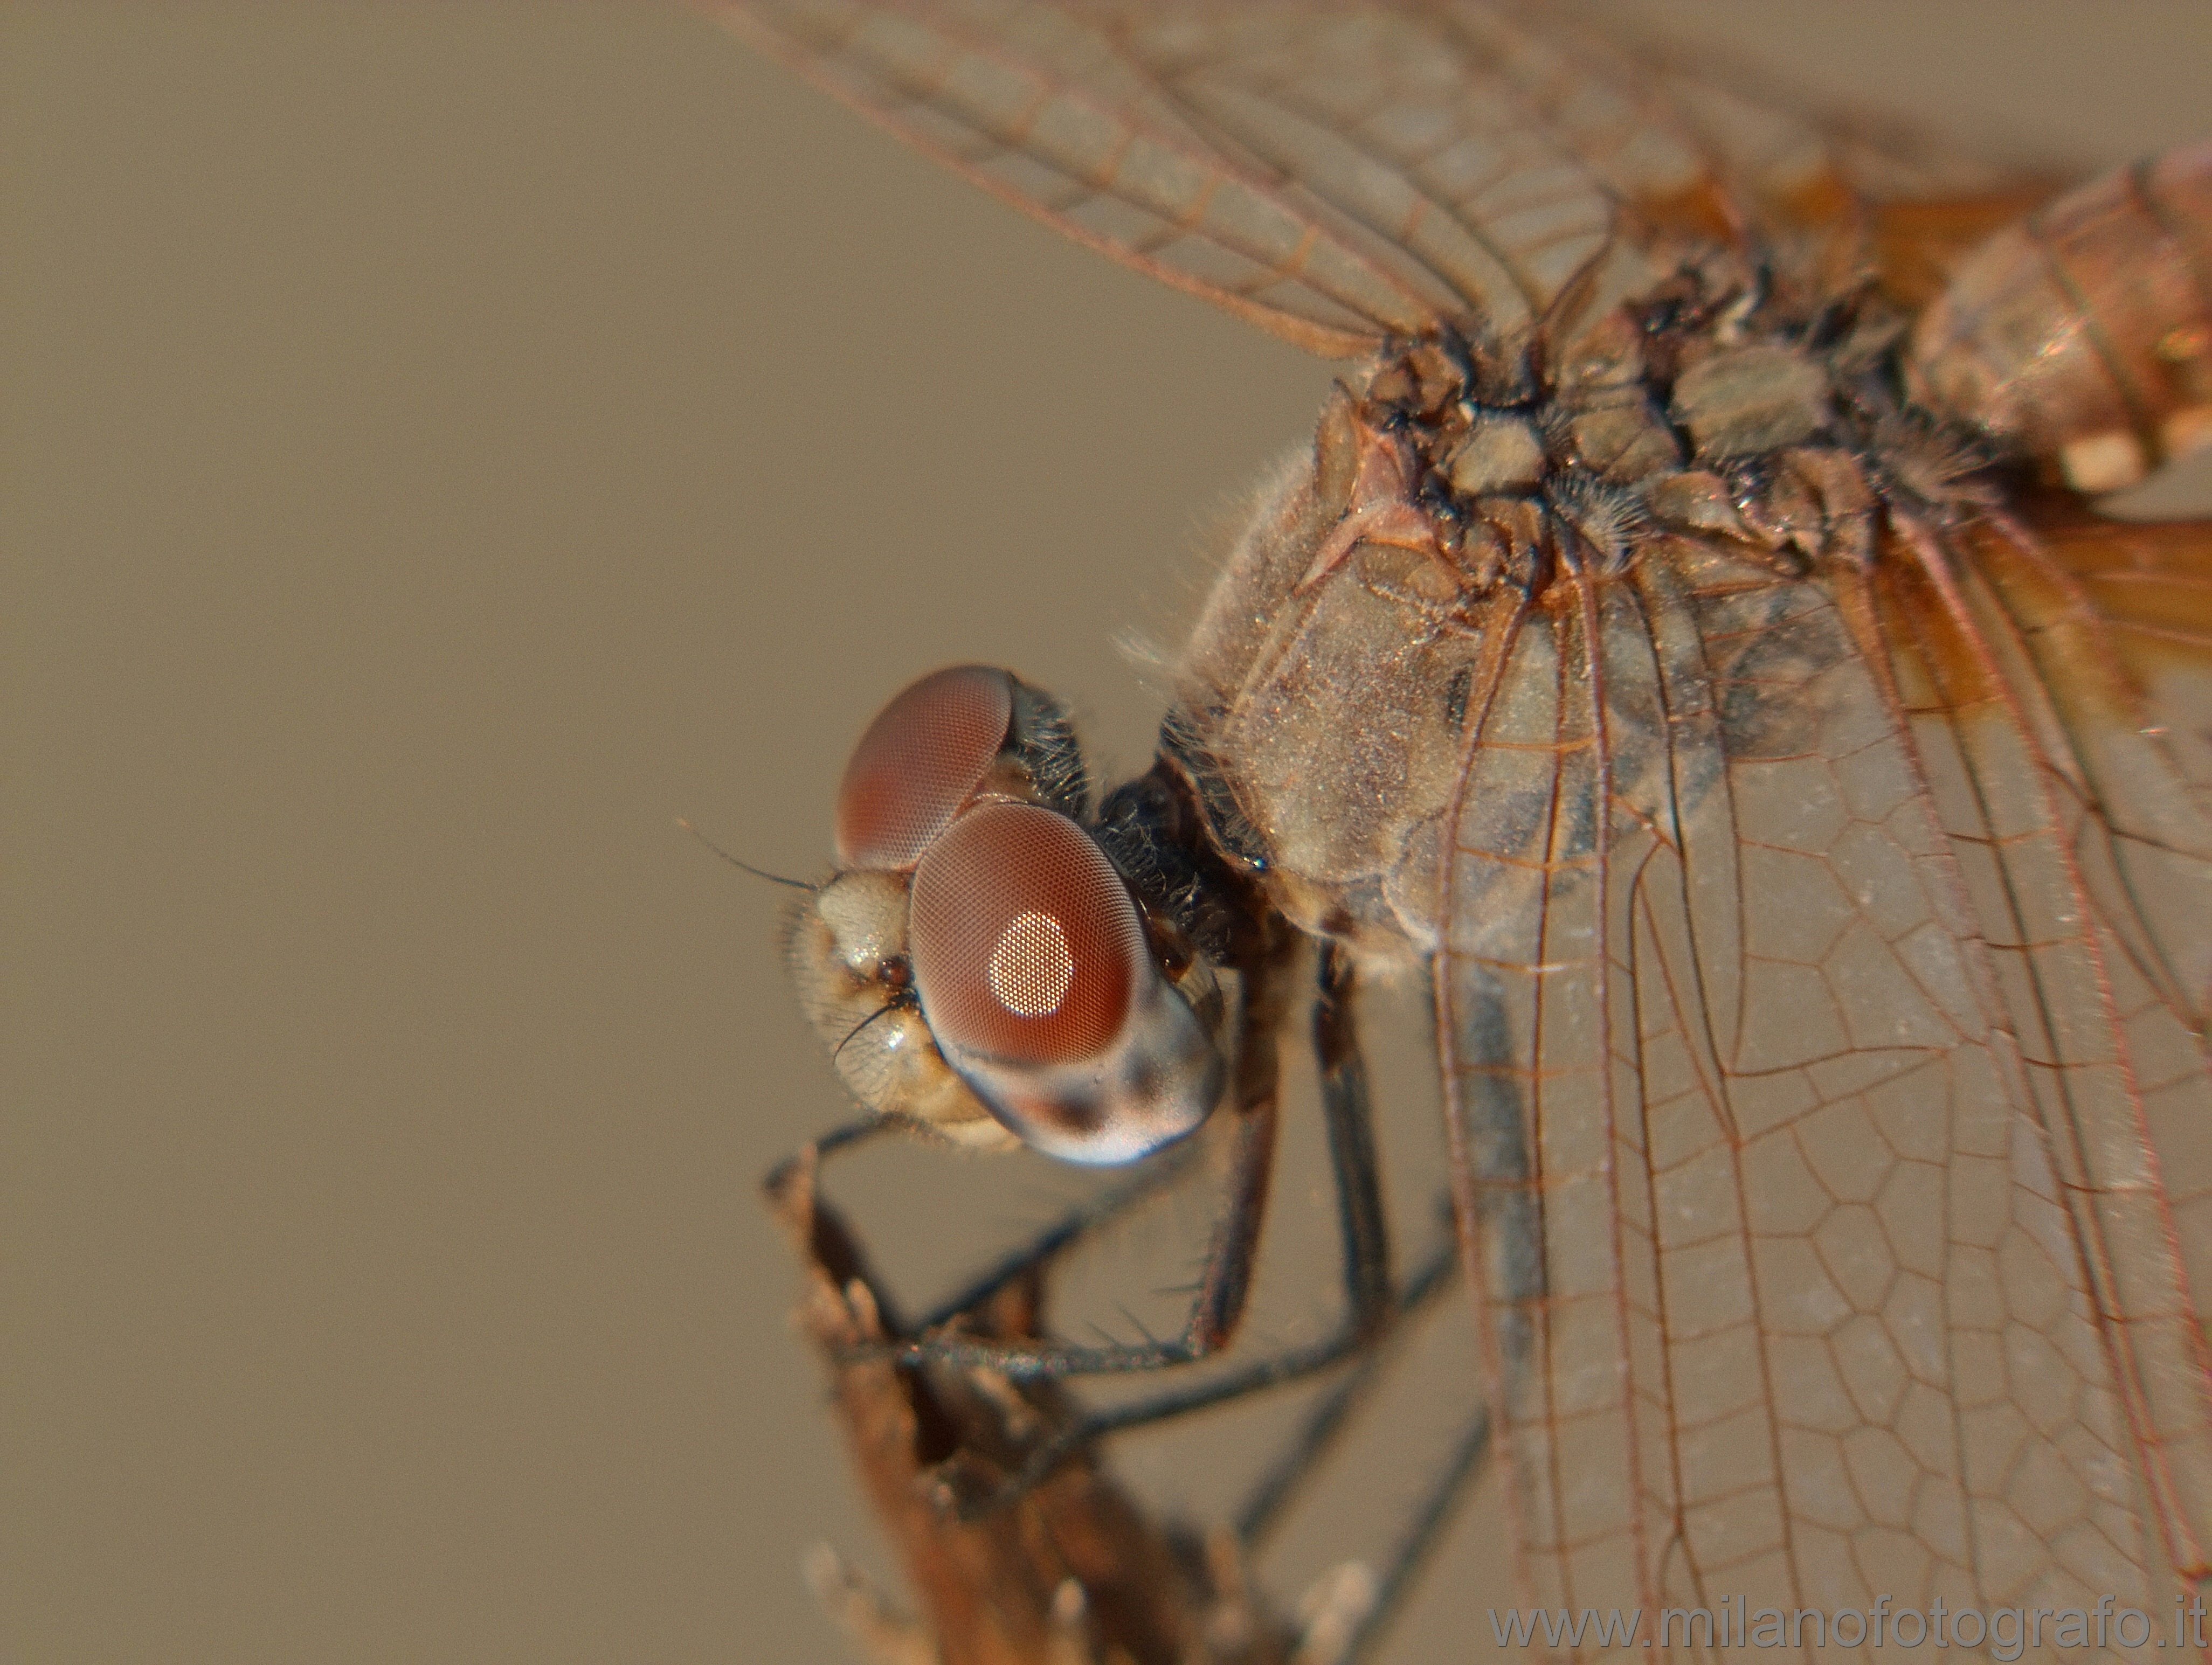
x,y
1219,1302
1374,1309
1062,1235
1463,1466
1347,1108
842,1137
1272,1497
1078,1222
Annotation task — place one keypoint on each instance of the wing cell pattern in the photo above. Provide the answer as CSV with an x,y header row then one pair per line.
x,y
1341,174
2087,862
1816,1273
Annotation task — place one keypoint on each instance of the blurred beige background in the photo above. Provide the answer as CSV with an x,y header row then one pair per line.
x,y
442,445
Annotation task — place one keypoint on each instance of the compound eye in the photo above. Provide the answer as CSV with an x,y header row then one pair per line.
x,y
919,761
1027,950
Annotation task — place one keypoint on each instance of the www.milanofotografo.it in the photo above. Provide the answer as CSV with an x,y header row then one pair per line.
x,y
2006,1632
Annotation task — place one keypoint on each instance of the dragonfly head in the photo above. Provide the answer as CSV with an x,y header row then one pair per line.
x,y
978,963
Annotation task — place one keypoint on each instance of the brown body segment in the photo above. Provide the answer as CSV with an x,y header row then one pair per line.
x,y
2083,334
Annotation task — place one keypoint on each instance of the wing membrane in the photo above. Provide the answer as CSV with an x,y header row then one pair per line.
x,y
1817,1273
2120,613
2116,621
1045,108
2092,865
1339,174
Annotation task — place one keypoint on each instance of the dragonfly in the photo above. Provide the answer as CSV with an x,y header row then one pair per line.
x,y
1689,645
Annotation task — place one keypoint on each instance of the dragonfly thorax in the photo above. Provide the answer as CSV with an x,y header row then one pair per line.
x,y
1700,410
1378,612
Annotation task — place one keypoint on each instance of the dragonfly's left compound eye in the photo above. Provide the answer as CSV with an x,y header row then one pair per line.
x,y
919,760
1026,947
1035,977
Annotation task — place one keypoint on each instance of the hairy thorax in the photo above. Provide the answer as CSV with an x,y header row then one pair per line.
x,y
1425,574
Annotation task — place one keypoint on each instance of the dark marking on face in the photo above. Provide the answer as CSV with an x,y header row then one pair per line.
x,y
1144,1083
1084,1114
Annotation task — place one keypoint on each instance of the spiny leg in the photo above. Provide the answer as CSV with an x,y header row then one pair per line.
x,y
1346,1104
1373,1309
1434,1274
1153,1177
1062,1234
1226,1281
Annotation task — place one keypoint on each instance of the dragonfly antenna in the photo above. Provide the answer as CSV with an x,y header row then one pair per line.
x,y
747,867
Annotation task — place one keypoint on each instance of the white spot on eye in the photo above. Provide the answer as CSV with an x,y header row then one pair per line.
x,y
1030,965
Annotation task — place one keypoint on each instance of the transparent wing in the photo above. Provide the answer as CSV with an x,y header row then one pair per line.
x,y
1338,174
2118,621
1693,142
1823,1241
2081,722
2119,613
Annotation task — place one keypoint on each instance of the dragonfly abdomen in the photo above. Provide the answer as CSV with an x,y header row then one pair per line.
x,y
2082,334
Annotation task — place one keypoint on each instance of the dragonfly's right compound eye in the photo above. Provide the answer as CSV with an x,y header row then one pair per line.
x,y
1038,984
